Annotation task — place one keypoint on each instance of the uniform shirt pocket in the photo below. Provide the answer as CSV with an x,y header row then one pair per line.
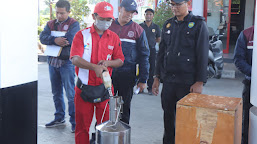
x,y
107,54
186,64
189,37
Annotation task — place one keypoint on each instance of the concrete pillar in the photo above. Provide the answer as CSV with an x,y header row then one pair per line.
x,y
253,110
115,4
197,7
18,71
249,13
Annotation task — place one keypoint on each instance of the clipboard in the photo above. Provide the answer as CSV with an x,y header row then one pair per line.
x,y
54,50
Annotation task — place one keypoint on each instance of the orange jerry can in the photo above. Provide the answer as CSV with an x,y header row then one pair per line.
x,y
208,119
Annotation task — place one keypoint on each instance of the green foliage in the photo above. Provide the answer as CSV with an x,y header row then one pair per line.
x,y
43,21
97,1
47,2
235,1
53,11
39,29
79,9
46,11
162,13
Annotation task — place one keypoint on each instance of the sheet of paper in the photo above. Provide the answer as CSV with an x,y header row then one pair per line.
x,y
53,50
57,33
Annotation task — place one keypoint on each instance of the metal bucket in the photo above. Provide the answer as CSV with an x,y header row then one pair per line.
x,y
109,133
113,131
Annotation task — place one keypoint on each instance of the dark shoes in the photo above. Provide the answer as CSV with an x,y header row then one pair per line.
x,y
92,140
73,128
55,123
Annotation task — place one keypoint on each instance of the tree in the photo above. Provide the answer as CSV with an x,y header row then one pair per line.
x,y
46,11
162,13
79,10
97,1
50,4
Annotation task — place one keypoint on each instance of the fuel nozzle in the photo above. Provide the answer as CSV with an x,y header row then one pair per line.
x,y
107,81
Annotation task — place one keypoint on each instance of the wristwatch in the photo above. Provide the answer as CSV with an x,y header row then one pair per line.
x,y
156,76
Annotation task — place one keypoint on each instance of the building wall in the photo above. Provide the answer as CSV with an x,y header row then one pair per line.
x,y
197,7
249,13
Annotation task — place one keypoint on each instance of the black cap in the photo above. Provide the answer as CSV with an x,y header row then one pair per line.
x,y
129,5
177,1
150,10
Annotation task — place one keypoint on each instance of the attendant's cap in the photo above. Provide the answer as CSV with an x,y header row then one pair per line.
x,y
104,10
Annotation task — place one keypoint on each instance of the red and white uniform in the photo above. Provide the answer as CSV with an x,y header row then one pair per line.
x,y
88,45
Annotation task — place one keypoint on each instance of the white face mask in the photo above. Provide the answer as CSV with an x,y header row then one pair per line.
x,y
102,24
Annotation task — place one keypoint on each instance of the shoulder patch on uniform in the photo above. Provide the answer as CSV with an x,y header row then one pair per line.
x,y
199,17
168,25
168,21
191,24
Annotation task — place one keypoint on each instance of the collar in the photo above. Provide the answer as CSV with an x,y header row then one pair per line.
x,y
62,21
187,18
92,30
116,21
150,24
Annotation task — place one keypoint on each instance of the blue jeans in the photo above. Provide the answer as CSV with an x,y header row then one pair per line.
x,y
63,77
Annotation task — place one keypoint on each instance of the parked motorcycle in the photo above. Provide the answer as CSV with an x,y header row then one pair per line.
x,y
215,58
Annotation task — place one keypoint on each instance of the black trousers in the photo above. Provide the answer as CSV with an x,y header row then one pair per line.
x,y
246,107
152,59
171,93
123,83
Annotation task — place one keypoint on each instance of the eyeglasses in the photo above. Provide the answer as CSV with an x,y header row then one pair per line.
x,y
177,5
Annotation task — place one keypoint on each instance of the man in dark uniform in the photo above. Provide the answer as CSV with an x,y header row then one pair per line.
x,y
243,61
153,33
181,61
